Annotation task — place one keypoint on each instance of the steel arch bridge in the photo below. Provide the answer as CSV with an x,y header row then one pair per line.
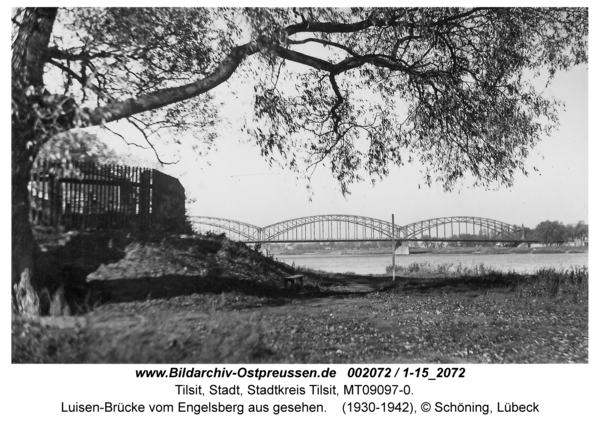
x,y
243,231
431,227
349,228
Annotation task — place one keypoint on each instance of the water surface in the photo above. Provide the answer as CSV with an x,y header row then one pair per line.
x,y
376,263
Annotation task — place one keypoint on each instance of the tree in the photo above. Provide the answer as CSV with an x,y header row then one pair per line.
x,y
78,146
446,87
570,231
551,232
581,230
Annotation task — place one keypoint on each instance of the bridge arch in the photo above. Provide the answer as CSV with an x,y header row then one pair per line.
x,y
339,227
245,232
490,227
323,226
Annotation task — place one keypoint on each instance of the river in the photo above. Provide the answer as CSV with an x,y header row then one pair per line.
x,y
376,263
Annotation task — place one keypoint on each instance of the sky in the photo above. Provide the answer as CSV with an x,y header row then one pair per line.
x,y
233,181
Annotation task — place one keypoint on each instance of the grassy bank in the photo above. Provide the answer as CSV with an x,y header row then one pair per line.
x,y
234,310
502,250
451,270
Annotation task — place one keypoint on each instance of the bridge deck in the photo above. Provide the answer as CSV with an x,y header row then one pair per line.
x,y
503,240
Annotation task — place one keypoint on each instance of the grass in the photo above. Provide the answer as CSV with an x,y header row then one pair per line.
x,y
542,318
234,310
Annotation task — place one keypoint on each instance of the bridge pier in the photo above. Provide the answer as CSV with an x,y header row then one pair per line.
x,y
264,250
402,250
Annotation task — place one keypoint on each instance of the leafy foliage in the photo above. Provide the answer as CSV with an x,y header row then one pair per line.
x,y
556,233
444,86
357,89
77,146
122,53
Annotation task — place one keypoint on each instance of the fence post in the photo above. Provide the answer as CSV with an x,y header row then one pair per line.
x,y
145,196
54,195
393,249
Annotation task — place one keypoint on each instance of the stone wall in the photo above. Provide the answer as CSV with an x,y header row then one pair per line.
x,y
168,202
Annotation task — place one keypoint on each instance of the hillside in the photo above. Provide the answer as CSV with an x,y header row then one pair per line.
x,y
89,269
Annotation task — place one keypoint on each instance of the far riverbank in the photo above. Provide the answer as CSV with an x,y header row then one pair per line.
x,y
443,250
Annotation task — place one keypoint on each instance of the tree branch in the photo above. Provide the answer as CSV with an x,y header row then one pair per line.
x,y
325,43
166,96
338,103
302,58
85,83
55,53
139,128
336,27
123,138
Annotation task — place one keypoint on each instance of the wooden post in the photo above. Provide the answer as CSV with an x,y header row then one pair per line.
x,y
393,250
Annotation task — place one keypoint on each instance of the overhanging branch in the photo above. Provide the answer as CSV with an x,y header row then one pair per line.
x,y
160,98
325,43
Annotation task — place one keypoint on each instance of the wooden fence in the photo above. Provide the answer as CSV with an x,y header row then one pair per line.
x,y
88,195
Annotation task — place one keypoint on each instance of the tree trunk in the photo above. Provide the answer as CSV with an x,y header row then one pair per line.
x,y
32,125
28,134
25,300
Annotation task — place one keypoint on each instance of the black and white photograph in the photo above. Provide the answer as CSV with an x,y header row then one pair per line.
x,y
346,185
